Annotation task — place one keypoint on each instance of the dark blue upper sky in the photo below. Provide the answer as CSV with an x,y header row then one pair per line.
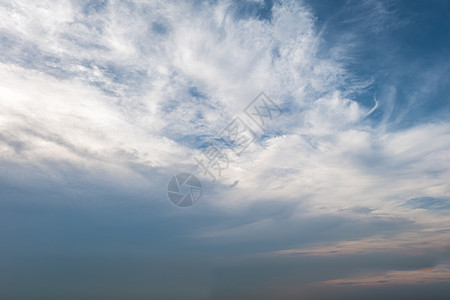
x,y
404,48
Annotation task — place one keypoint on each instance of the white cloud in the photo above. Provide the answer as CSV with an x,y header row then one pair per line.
x,y
110,89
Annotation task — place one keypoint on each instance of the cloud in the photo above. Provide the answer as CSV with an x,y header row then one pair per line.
x,y
138,101
422,276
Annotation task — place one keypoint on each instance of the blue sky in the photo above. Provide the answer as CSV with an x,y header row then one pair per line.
x,y
344,195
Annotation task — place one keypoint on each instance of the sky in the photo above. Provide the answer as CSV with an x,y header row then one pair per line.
x,y
343,192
